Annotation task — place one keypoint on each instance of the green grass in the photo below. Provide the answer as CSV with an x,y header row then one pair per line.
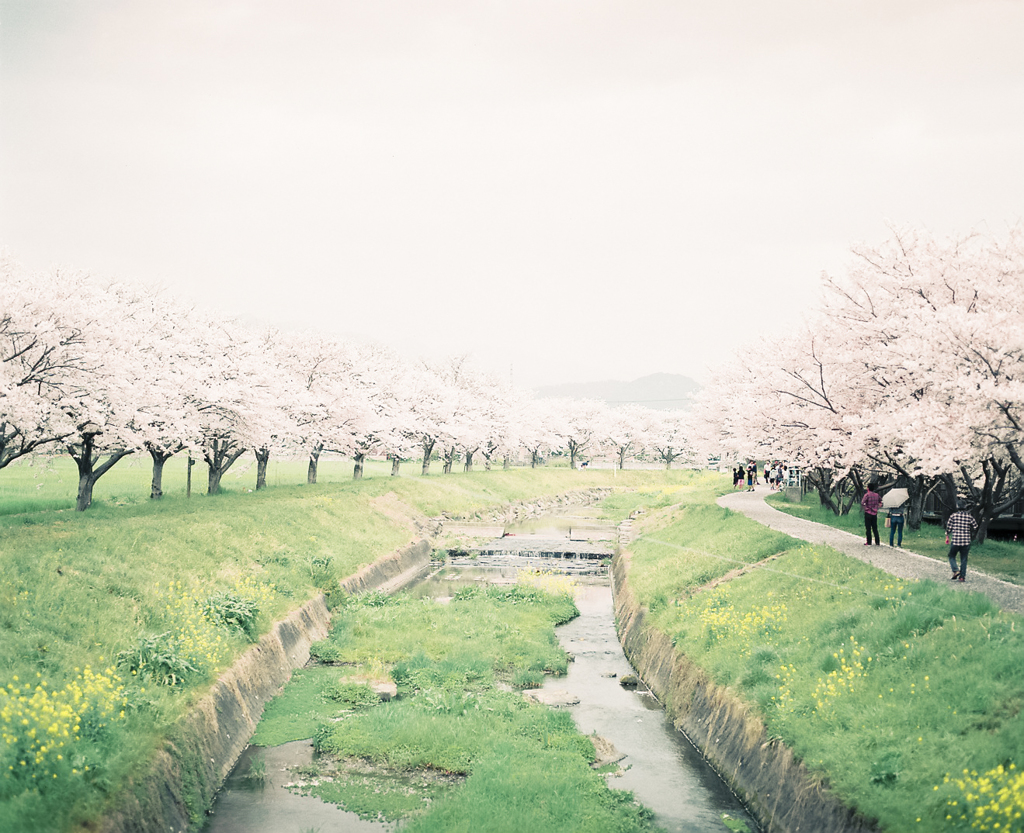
x,y
887,688
131,579
520,766
1002,559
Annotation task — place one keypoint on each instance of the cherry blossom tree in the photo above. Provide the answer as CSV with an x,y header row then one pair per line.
x,y
628,431
42,360
669,435
579,423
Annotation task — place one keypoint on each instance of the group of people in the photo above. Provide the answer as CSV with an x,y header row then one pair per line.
x,y
960,529
774,476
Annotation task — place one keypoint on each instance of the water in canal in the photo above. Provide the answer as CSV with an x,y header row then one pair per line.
x,y
659,765
663,770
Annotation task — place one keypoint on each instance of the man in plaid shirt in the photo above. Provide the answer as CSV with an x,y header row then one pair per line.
x,y
870,503
960,528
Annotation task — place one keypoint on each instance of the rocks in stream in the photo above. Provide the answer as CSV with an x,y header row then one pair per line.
x,y
553,697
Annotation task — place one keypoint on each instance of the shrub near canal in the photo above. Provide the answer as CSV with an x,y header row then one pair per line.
x,y
459,736
904,696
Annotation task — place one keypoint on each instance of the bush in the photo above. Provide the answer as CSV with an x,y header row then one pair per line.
x,y
232,611
158,658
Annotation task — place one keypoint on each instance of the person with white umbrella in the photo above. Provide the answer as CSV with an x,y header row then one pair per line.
x,y
893,501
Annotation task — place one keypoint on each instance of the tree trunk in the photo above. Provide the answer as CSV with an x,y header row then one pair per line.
x,y
160,456
428,449
262,457
534,459
314,460
622,458
506,463
396,461
449,460
219,457
357,469
86,458
469,462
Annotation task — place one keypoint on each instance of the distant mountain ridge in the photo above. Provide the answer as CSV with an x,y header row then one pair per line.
x,y
661,391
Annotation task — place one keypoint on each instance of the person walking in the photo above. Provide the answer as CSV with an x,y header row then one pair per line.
x,y
896,519
960,529
870,503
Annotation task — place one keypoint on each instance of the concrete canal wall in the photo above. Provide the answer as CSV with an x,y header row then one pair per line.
x,y
172,795
777,789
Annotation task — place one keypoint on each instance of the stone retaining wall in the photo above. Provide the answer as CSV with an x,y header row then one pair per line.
x,y
512,512
777,789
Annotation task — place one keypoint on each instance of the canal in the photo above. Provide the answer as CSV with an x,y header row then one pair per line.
x,y
663,770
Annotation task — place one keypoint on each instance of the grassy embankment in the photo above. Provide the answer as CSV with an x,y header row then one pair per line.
x,y
905,696
457,750
113,621
999,558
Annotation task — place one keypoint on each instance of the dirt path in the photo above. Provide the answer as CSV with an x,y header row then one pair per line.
x,y
899,562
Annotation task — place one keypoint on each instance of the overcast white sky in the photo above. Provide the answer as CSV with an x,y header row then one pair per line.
x,y
566,190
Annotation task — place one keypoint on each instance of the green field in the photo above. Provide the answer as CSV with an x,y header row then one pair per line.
x,y
114,620
906,697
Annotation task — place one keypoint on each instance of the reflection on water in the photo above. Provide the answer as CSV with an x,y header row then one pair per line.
x,y
663,769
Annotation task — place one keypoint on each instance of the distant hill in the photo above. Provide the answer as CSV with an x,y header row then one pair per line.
x,y
662,391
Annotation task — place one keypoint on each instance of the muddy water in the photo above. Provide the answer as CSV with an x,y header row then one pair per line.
x,y
661,767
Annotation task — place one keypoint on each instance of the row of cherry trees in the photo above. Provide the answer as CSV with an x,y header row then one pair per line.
x,y
104,370
910,369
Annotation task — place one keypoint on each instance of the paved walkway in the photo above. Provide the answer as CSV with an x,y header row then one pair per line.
x,y
898,562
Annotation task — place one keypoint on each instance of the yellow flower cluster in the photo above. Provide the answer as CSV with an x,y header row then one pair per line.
x,y
196,639
722,619
992,801
38,726
843,679
549,581
255,591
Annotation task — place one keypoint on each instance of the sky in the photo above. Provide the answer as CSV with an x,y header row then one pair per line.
x,y
562,190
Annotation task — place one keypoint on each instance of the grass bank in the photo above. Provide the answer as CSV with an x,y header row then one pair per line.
x,y
904,696
999,558
459,749
113,621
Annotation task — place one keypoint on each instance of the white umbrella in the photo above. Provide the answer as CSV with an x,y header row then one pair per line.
x,y
894,498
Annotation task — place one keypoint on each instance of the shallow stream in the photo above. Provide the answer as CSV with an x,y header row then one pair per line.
x,y
659,766
663,770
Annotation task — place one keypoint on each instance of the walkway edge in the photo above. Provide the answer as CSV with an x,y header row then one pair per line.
x,y
901,563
